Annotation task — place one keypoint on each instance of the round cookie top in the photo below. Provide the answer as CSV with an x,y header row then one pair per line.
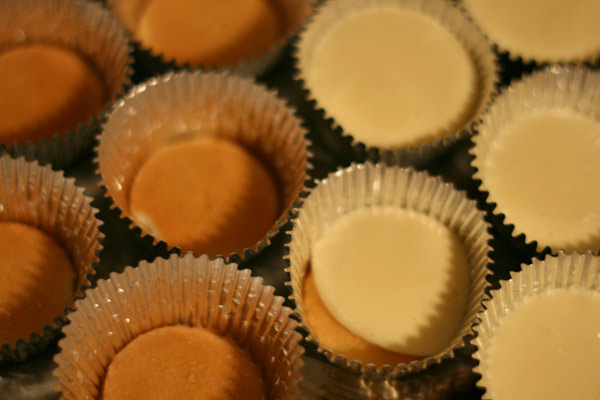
x,y
207,32
208,195
181,362
542,30
392,77
38,281
46,90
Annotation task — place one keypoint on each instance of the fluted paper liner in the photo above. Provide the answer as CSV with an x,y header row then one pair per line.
x,y
185,106
569,88
197,292
451,18
292,13
576,271
48,201
85,28
369,185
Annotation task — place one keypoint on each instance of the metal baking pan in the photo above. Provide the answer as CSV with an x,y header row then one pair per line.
x,y
453,379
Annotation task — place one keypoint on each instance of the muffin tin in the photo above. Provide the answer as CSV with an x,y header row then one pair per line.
x,y
451,379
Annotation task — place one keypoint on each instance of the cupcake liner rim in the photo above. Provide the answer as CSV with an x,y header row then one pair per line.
x,y
529,247
566,269
38,341
285,215
370,372
198,292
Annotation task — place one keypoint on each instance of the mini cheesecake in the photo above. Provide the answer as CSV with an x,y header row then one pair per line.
x,y
538,336
396,73
387,268
536,154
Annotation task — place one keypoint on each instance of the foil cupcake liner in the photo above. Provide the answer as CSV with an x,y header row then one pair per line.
x,y
556,87
519,61
579,271
85,28
197,292
449,16
44,199
218,103
293,14
368,185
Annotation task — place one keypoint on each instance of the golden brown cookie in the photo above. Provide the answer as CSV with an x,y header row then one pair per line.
x,y
37,284
45,90
208,32
209,196
181,362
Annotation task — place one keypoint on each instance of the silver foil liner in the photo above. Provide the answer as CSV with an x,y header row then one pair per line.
x,y
369,185
184,106
293,14
197,292
556,87
450,17
87,29
578,271
46,200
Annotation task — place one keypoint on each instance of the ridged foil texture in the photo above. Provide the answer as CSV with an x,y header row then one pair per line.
x,y
569,88
44,199
195,291
450,17
90,31
577,271
369,185
185,106
293,14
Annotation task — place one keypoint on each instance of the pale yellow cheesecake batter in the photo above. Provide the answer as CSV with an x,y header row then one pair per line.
x,y
548,30
395,278
392,77
547,348
543,173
